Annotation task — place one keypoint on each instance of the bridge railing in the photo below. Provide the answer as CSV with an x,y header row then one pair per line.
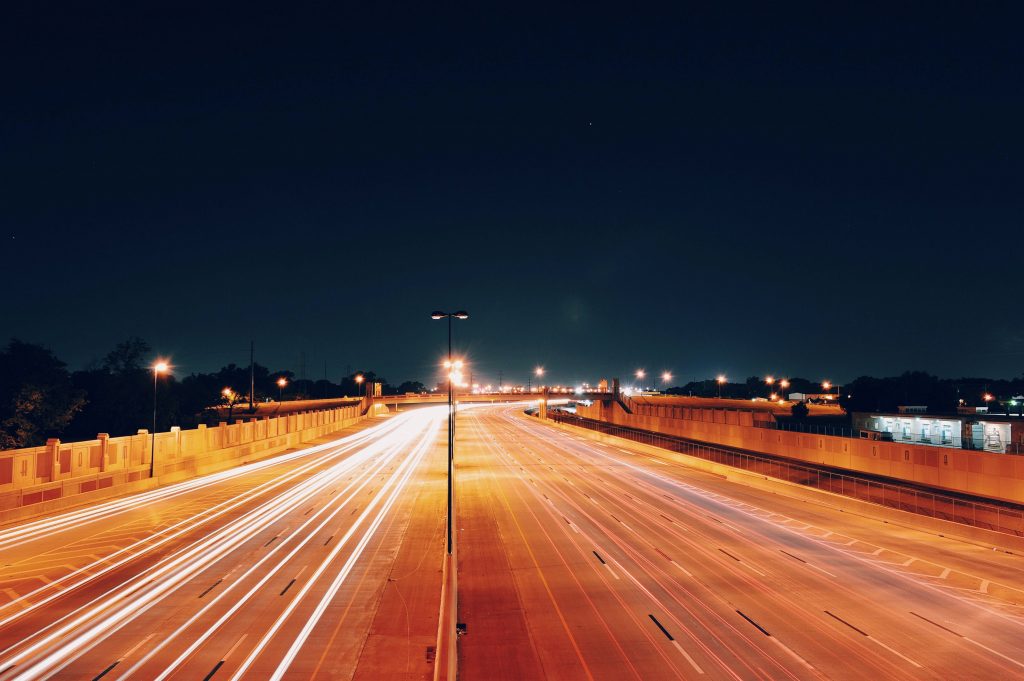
x,y
1006,519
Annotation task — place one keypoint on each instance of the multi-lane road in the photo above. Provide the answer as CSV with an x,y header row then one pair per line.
x,y
582,559
579,558
320,563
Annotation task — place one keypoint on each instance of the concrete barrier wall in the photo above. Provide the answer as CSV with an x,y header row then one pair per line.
x,y
983,474
61,473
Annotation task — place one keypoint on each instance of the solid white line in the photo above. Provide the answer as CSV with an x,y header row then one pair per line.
x,y
611,571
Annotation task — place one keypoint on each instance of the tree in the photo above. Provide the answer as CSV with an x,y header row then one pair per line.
x,y
127,357
37,399
410,387
799,411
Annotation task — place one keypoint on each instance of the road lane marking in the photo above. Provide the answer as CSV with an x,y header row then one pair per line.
x,y
984,586
970,640
211,588
685,571
689,659
945,573
810,565
873,639
777,642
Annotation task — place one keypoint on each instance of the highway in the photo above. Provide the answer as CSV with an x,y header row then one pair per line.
x,y
587,560
579,558
319,563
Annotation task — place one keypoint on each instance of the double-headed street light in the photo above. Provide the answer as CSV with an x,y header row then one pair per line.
x,y
160,367
461,314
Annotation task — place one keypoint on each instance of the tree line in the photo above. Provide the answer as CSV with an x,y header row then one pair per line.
x,y
40,398
867,393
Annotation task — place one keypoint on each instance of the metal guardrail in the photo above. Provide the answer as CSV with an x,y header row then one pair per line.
x,y
1003,519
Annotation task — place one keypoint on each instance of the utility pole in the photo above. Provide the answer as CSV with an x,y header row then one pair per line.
x,y
252,376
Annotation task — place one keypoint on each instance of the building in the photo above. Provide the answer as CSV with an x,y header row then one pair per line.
x,y
989,432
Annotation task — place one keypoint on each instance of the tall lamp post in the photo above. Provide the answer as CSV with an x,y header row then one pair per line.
x,y
281,383
720,380
783,386
666,376
461,314
160,367
359,381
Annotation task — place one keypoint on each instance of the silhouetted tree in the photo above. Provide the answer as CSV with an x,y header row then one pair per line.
x,y
410,387
37,398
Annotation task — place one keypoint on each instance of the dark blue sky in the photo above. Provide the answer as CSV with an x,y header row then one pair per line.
x,y
821,192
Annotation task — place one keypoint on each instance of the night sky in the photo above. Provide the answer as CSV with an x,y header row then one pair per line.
x,y
824,192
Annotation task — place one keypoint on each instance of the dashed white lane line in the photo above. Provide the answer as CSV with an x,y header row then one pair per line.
x,y
685,571
894,652
689,659
945,573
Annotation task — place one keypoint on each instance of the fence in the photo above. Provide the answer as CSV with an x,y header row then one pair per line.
x,y
1006,519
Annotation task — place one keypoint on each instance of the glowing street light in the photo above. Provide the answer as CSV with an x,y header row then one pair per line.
x,y
359,381
461,314
769,381
281,383
721,381
988,397
160,367
666,376
783,384
640,373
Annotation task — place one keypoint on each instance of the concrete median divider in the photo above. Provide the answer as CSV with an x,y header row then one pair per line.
x,y
59,474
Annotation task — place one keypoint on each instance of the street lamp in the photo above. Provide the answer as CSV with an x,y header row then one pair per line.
x,y
827,387
281,383
161,367
720,380
769,381
461,314
359,381
666,376
783,384
640,373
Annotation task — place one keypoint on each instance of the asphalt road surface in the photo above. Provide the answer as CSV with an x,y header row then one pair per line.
x,y
319,563
586,560
578,559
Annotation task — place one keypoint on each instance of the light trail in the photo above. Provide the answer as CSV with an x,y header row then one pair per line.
x,y
97,569
63,641
73,520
